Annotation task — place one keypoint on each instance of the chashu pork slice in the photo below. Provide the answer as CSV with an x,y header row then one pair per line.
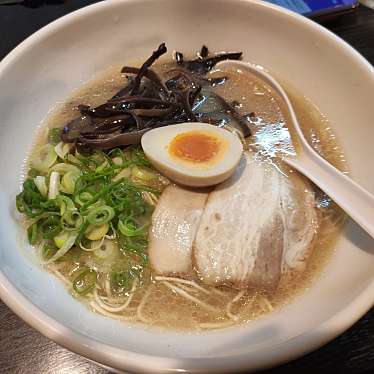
x,y
174,225
300,220
247,226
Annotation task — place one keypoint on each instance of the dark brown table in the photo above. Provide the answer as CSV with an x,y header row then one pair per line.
x,y
23,350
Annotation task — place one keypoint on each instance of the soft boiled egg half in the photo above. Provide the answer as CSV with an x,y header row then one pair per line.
x,y
193,154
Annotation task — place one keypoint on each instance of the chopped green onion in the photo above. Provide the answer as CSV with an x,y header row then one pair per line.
x,y
91,245
73,160
100,215
83,197
143,173
102,192
65,248
118,161
40,183
20,203
102,167
85,281
118,158
68,182
62,149
48,251
30,201
121,280
71,220
124,173
98,157
50,227
44,158
105,250
130,228
54,181
78,201
64,168
134,244
32,233
65,204
61,238
94,232
137,156
50,205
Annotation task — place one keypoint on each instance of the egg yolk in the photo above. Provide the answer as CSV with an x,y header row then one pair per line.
x,y
196,147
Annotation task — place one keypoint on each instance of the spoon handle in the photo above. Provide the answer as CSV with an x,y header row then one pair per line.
x,y
352,198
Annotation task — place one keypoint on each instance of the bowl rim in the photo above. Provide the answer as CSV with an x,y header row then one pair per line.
x,y
126,360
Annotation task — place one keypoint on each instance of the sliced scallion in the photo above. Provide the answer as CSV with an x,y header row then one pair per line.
x,y
85,281
64,168
94,232
54,181
61,238
50,227
68,182
124,173
83,197
69,242
44,158
48,251
105,250
143,173
71,220
40,183
62,149
100,215
128,227
32,233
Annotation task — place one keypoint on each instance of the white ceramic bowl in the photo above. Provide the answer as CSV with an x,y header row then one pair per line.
x,y
46,68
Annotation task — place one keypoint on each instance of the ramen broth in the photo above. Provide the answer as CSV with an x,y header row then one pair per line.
x,y
161,302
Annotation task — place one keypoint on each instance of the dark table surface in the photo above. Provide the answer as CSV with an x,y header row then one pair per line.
x,y
24,350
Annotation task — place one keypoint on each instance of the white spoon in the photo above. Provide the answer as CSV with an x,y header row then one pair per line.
x,y
356,201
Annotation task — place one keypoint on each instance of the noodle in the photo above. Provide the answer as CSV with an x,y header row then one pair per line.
x,y
230,304
139,310
265,304
215,325
102,311
190,297
97,246
183,281
116,309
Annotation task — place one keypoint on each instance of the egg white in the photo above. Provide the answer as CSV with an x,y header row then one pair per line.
x,y
156,142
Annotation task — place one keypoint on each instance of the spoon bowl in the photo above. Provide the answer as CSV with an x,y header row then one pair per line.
x,y
351,197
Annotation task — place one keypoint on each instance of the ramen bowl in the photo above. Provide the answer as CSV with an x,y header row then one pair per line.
x,y
48,66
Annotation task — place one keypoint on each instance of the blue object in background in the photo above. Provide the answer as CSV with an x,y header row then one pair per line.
x,y
312,7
